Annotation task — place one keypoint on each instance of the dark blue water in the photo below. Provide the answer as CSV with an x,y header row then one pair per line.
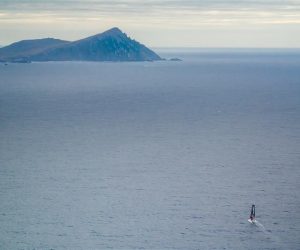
x,y
164,155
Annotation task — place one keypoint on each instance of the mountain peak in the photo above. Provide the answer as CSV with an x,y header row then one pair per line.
x,y
114,30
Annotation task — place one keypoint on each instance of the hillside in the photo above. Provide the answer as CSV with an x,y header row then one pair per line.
x,y
26,48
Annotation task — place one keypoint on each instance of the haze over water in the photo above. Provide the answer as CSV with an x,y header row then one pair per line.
x,y
162,155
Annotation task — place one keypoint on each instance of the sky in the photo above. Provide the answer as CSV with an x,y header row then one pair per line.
x,y
158,23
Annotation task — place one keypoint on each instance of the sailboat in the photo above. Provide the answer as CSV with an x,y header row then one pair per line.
x,y
252,215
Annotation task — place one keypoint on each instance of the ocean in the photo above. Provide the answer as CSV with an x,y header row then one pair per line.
x,y
152,155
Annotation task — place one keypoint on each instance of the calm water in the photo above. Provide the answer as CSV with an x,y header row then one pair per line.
x,y
164,155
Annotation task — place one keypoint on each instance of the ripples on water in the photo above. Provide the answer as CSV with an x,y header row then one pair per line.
x,y
164,155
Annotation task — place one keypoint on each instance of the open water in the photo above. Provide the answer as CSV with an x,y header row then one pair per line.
x,y
161,155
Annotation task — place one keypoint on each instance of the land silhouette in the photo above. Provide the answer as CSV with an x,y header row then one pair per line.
x,y
111,45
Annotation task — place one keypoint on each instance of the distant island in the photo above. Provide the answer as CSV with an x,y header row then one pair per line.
x,y
175,59
111,45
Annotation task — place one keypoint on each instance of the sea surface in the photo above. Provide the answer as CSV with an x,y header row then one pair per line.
x,y
152,155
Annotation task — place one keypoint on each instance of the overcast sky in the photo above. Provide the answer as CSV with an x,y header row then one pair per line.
x,y
157,23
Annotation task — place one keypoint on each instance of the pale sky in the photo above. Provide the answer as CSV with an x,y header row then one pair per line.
x,y
157,23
